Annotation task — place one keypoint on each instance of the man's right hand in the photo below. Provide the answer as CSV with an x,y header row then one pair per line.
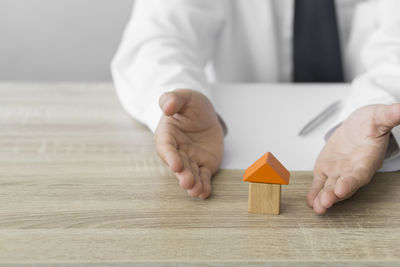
x,y
190,139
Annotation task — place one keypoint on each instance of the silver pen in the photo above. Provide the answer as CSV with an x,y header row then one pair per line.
x,y
320,118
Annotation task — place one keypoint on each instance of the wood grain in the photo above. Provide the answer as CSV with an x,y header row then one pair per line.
x,y
80,182
264,198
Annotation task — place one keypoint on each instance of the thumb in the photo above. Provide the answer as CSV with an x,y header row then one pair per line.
x,y
387,117
173,102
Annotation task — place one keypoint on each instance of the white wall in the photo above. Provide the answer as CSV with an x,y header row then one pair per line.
x,y
60,40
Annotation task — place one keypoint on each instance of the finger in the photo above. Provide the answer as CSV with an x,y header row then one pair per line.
x,y
328,197
317,184
317,206
205,176
185,177
172,102
388,117
348,185
197,189
167,150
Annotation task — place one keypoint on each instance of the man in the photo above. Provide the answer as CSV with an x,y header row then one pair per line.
x,y
172,50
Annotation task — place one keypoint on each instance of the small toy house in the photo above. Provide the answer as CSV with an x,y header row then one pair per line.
x,y
266,176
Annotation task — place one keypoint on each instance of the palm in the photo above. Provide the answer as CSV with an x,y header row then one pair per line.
x,y
356,145
191,142
351,156
200,146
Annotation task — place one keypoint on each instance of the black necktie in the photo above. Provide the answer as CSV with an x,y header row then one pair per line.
x,y
316,46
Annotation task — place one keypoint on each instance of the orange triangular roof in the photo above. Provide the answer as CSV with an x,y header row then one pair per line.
x,y
267,169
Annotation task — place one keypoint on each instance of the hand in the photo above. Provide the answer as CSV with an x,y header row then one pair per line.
x,y
352,155
190,140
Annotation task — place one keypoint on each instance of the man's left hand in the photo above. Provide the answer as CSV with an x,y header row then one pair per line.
x,y
352,155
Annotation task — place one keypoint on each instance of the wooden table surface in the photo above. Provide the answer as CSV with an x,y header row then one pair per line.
x,y
80,182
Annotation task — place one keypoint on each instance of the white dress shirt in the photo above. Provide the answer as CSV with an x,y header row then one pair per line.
x,y
173,44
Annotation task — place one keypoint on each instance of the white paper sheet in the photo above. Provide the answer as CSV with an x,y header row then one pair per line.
x,y
263,118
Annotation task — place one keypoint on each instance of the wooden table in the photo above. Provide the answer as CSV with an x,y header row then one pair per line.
x,y
80,183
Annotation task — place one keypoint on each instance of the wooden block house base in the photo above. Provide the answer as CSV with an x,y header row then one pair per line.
x,y
264,198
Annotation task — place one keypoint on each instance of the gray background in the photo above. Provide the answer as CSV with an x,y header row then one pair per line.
x,y
60,40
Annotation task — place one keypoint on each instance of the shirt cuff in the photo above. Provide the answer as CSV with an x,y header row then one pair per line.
x,y
153,115
223,125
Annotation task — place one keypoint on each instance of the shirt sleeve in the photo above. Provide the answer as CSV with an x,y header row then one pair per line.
x,y
380,56
166,46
